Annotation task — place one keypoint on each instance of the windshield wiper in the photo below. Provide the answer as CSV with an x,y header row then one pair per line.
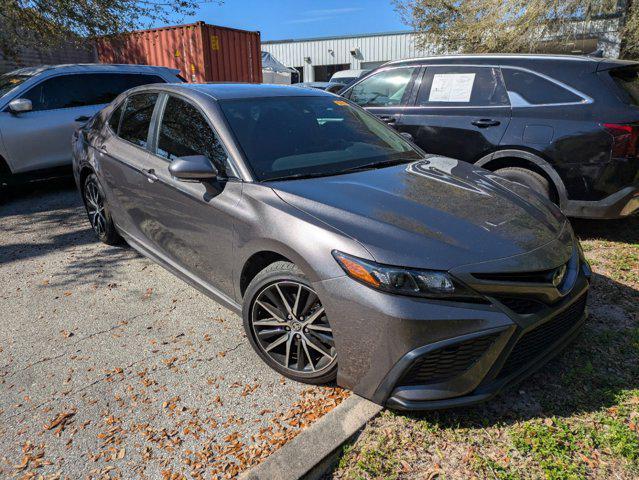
x,y
372,165
296,176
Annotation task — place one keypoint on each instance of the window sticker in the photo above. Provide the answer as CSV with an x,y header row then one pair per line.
x,y
341,103
451,87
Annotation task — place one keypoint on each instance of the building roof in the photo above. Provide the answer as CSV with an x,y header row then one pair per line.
x,y
337,37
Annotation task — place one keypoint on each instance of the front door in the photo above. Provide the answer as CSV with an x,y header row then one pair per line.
x,y
41,138
191,222
459,111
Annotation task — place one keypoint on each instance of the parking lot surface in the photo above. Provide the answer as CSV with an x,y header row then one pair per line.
x,y
110,367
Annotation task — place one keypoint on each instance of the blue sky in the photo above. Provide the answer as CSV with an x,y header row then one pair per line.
x,y
282,19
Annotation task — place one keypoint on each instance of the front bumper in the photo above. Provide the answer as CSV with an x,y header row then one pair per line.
x,y
381,339
621,204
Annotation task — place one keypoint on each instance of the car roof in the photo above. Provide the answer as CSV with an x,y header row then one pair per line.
x,y
515,58
224,91
91,67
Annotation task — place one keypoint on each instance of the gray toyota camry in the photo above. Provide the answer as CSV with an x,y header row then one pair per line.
x,y
416,281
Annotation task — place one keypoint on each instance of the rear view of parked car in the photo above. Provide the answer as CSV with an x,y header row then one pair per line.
x,y
565,126
40,107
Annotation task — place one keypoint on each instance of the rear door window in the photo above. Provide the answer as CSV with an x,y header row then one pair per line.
x,y
70,91
627,79
527,88
451,86
136,118
386,88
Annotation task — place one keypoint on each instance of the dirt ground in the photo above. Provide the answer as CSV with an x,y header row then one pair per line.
x,y
576,418
110,367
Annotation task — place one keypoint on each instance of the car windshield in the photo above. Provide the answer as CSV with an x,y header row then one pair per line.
x,y
9,81
292,137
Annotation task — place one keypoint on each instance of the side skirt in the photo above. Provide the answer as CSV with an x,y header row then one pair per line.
x,y
207,289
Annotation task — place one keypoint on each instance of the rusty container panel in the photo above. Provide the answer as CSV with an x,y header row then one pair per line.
x,y
202,53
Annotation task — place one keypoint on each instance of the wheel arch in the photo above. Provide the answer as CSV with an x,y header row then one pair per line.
x,y
525,159
255,264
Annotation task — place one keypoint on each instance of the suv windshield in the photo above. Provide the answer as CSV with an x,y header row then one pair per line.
x,y
9,81
627,78
293,137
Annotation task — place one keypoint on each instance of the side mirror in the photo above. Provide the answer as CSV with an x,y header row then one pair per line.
x,y
20,105
193,167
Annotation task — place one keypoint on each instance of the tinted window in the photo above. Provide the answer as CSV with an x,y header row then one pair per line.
x,y
68,91
8,82
136,118
311,135
184,132
627,78
388,87
467,86
527,88
114,121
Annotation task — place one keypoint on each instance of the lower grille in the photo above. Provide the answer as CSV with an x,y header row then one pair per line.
x,y
447,362
536,341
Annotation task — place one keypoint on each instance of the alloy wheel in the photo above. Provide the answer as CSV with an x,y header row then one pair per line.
x,y
290,326
95,207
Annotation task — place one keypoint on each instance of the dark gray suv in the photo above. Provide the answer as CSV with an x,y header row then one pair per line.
x,y
417,281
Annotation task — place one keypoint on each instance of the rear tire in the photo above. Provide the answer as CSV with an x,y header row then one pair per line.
x,y
98,211
528,178
299,344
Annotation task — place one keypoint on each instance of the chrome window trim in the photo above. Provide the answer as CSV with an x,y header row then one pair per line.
x,y
586,100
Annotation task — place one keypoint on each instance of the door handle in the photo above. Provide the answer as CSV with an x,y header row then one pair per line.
x,y
150,175
485,122
102,149
387,119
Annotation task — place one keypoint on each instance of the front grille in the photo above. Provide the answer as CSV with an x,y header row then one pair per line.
x,y
447,362
533,343
540,276
520,305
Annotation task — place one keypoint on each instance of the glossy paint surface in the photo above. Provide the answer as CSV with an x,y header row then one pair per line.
x,y
436,213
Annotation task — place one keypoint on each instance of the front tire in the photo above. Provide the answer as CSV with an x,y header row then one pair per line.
x,y
98,211
287,326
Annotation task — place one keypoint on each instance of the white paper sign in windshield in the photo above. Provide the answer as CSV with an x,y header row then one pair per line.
x,y
451,87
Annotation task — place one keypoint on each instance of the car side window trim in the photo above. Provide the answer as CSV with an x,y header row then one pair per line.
x,y
40,81
108,120
148,136
522,103
156,124
408,94
585,98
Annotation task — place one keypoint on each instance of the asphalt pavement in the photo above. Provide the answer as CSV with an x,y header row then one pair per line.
x,y
110,367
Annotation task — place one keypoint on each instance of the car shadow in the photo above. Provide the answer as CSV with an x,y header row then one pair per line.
x,y
625,230
588,376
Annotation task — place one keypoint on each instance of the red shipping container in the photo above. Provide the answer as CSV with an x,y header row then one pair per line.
x,y
202,53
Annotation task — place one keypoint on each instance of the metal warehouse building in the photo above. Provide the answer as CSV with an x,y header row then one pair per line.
x,y
318,58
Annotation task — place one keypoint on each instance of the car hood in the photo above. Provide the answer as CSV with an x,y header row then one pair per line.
x,y
437,213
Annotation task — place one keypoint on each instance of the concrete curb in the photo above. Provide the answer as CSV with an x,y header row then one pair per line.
x,y
311,453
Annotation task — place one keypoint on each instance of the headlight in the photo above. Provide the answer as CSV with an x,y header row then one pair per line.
x,y
403,281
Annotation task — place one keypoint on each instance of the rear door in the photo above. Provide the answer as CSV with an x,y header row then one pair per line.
x,y
123,159
459,111
42,138
386,93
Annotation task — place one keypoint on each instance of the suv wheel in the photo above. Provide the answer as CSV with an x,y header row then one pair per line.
x,y
528,178
287,326
98,211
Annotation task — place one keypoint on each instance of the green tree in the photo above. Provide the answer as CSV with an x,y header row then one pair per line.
x,y
483,26
46,24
